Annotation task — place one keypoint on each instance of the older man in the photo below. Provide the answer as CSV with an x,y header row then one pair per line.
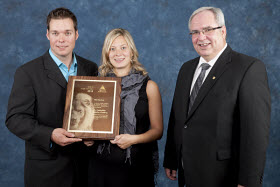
x,y
219,122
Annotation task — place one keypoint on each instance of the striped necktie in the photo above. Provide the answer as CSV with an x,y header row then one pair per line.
x,y
197,84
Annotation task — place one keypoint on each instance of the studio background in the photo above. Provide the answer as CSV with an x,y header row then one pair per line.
x,y
160,32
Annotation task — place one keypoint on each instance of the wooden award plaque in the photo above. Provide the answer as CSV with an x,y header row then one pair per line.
x,y
92,108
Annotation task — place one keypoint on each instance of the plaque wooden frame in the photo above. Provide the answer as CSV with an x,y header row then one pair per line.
x,y
92,107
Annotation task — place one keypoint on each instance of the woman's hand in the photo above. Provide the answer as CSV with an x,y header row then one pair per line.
x,y
124,140
155,113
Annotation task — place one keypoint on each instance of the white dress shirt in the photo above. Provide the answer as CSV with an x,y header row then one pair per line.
x,y
198,68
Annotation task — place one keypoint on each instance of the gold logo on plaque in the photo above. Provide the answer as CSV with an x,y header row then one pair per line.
x,y
102,89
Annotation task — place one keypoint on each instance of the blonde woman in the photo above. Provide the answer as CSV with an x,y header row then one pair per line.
x,y
131,159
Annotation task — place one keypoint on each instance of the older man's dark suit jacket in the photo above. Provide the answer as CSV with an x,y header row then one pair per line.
x,y
223,140
35,109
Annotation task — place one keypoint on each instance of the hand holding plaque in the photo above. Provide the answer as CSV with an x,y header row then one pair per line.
x,y
92,109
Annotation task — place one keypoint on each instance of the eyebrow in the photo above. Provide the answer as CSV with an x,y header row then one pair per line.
x,y
120,45
208,27
62,31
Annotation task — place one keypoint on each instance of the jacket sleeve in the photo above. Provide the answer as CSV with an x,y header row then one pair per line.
x,y
254,107
21,113
170,157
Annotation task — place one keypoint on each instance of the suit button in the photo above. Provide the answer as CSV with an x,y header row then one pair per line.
x,y
185,126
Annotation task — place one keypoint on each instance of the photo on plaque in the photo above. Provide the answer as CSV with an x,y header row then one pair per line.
x,y
92,109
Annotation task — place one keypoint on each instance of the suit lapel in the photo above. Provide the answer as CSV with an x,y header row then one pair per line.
x,y
53,71
214,75
81,67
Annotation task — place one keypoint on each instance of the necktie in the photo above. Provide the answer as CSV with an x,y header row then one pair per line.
x,y
198,84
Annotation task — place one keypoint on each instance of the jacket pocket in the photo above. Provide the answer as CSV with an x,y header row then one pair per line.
x,y
37,153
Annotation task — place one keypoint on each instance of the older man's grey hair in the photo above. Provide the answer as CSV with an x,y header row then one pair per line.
x,y
218,13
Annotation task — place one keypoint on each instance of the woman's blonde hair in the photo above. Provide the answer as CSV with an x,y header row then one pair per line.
x,y
106,65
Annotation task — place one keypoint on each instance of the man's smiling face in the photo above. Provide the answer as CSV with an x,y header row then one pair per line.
x,y
210,44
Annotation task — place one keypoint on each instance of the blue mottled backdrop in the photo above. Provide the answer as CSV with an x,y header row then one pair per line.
x,y
160,31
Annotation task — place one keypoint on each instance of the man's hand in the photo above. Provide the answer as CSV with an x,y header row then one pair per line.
x,y
240,185
88,142
62,137
171,174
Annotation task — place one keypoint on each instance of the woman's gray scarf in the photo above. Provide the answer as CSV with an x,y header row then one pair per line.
x,y
131,85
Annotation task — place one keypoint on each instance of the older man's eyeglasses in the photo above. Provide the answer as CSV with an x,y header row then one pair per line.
x,y
206,31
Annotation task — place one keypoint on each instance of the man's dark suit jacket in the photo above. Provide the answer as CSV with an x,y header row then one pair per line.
x,y
223,140
35,109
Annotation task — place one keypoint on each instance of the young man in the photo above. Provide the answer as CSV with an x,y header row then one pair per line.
x,y
36,105
219,122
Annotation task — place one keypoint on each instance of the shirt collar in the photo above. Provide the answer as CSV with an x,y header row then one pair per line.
x,y
58,62
213,61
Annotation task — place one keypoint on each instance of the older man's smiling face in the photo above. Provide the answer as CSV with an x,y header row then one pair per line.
x,y
207,45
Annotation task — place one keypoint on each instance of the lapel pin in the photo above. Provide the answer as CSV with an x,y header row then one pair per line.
x,y
214,77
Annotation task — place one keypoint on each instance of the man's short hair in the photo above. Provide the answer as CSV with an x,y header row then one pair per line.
x,y
62,13
218,13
